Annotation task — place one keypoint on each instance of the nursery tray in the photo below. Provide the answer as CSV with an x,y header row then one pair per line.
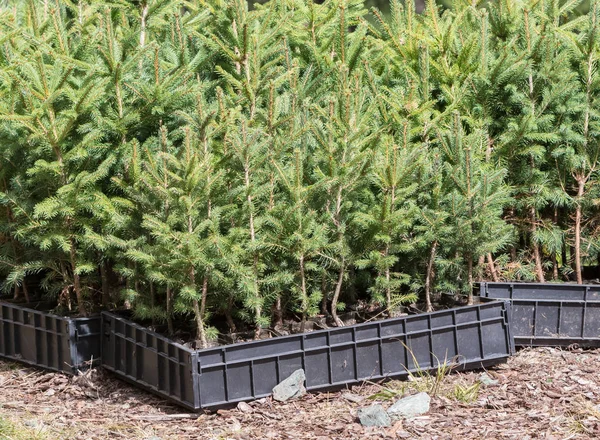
x,y
465,337
550,314
38,338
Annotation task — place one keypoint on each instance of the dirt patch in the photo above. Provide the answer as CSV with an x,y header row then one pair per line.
x,y
541,393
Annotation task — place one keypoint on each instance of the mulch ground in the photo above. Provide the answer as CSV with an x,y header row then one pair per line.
x,y
542,393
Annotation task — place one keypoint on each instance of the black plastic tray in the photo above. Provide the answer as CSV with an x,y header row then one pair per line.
x,y
69,345
549,314
467,337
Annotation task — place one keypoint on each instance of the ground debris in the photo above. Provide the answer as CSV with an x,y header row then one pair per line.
x,y
354,398
542,393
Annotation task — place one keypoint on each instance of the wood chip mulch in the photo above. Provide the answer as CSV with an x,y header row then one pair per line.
x,y
542,393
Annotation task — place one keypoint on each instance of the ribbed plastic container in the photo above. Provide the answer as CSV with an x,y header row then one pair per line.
x,y
466,337
549,314
69,345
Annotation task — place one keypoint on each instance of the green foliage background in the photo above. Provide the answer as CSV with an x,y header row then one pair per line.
x,y
206,161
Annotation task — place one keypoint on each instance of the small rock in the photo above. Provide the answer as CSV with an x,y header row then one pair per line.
x,y
50,392
486,380
291,387
374,415
32,423
153,438
353,397
244,407
410,406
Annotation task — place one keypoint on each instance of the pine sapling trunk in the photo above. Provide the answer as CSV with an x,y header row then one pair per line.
x,y
170,328
198,310
480,268
470,278
257,308
199,324
105,286
338,287
277,321
492,267
152,302
469,256
229,316
256,291
304,294
324,294
336,294
536,249
388,290
554,255
65,294
25,291
386,252
580,190
76,280
429,277
198,314
513,248
203,299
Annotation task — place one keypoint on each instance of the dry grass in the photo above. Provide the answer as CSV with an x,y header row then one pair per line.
x,y
14,430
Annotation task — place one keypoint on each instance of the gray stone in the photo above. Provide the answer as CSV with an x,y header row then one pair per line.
x,y
244,407
486,380
374,415
410,406
33,423
290,388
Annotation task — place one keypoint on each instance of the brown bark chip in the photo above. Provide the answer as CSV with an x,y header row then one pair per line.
x,y
542,393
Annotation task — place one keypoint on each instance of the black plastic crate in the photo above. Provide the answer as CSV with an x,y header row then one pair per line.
x,y
45,340
468,337
548,314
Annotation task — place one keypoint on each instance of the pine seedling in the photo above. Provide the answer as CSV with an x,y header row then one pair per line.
x,y
388,225
67,166
476,197
580,150
346,137
247,159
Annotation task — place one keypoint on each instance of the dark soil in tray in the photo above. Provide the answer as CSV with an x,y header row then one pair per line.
x,y
363,312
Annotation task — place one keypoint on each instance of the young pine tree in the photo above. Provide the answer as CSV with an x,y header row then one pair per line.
x,y
476,198
389,222
346,137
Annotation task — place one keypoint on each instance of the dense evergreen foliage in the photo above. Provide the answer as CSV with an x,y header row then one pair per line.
x,y
195,159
